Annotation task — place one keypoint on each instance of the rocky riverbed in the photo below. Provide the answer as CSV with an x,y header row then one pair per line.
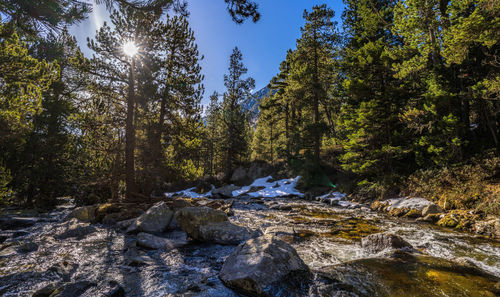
x,y
56,255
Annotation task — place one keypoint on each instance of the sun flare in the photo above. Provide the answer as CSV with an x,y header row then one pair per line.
x,y
130,49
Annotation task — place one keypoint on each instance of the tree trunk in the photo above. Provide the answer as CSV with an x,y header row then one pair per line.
x,y
130,138
317,134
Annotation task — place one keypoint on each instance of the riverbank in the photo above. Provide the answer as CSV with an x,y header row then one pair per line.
x,y
79,251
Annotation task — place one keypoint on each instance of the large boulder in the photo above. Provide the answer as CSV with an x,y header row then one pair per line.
x,y
224,233
225,191
239,176
431,209
266,266
376,243
154,242
155,219
259,169
191,219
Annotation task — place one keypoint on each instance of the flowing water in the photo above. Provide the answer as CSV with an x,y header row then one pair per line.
x,y
323,235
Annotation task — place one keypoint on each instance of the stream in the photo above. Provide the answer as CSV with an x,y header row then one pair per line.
x,y
104,257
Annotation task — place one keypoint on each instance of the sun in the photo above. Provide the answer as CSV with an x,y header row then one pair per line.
x,y
130,49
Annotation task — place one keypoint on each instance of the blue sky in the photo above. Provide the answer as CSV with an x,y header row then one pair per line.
x,y
263,44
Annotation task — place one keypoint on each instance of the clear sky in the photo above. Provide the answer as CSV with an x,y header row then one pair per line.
x,y
263,44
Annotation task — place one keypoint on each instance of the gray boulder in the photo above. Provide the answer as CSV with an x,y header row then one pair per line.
x,y
266,266
154,242
431,209
191,219
376,243
225,191
224,233
155,219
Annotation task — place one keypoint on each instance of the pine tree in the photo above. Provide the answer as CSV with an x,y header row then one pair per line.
x,y
116,72
311,73
235,124
174,75
373,138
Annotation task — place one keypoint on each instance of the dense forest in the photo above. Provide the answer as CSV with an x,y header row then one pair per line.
x,y
402,97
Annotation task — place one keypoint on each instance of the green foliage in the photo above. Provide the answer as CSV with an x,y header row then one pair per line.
x,y
5,191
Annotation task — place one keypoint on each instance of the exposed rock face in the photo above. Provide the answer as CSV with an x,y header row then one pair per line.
x,y
155,242
225,191
376,243
191,219
431,209
224,233
266,266
155,219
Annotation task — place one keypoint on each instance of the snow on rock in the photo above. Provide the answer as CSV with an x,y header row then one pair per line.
x,y
280,188
407,202
189,193
336,198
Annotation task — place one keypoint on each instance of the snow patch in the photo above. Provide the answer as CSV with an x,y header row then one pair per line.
x,y
280,188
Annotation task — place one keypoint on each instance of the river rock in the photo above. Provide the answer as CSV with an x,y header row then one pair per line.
x,y
431,209
191,219
84,214
155,219
490,228
155,242
28,247
225,191
376,243
124,214
12,223
224,233
266,266
78,230
432,218
72,289
408,203
46,290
